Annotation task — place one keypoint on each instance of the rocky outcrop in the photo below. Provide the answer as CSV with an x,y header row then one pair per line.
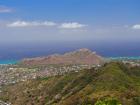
x,y
81,56
3,103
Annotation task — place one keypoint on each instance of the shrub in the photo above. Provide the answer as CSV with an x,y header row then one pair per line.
x,y
109,101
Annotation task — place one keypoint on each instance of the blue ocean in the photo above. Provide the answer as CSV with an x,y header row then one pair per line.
x,y
8,61
11,54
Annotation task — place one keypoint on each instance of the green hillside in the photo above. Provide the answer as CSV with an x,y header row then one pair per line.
x,y
112,84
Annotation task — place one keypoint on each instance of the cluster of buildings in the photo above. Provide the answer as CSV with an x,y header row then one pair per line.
x,y
14,74
132,63
53,70
11,75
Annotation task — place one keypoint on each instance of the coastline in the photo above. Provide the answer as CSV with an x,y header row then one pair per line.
x,y
5,62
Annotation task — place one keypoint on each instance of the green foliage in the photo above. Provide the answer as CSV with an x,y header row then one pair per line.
x,y
108,102
81,88
136,100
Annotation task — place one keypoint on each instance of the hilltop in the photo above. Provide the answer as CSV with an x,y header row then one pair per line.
x,y
80,56
114,81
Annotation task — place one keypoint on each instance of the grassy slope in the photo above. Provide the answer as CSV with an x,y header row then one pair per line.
x,y
87,86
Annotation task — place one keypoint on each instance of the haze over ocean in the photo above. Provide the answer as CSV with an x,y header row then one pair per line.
x,y
20,51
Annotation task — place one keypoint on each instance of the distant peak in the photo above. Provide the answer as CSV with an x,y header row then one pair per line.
x,y
84,50
80,51
80,56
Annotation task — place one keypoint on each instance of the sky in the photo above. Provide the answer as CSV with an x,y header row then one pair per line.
x,y
99,22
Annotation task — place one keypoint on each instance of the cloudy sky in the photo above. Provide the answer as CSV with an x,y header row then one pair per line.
x,y
44,21
58,20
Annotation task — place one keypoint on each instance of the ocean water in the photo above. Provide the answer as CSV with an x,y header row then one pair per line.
x,y
10,54
8,61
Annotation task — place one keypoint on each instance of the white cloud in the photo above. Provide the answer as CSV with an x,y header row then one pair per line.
x,y
48,23
19,23
31,23
137,26
72,25
4,9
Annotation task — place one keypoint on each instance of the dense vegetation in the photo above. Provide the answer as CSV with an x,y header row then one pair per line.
x,y
112,84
